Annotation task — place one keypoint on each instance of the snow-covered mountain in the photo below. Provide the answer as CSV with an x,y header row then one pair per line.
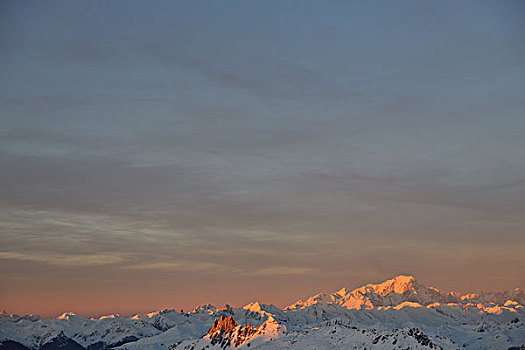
x,y
398,313
406,291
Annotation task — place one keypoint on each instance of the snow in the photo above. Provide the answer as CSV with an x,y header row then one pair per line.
x,y
398,313
66,316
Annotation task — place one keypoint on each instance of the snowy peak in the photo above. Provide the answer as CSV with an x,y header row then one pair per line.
x,y
320,298
340,320
405,291
342,292
400,284
66,316
254,307
397,289
108,316
264,310
204,309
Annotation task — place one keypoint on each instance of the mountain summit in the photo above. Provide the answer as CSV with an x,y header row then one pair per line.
x,y
398,313
400,284
402,290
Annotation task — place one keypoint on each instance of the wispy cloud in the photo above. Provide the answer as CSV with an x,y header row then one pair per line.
x,y
183,265
280,271
295,147
66,259
209,267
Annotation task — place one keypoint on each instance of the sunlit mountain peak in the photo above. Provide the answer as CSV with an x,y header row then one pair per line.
x,y
399,284
66,315
254,306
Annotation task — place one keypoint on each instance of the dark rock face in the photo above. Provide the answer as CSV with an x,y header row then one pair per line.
x,y
61,342
222,325
98,346
222,330
245,333
422,338
226,332
101,345
12,345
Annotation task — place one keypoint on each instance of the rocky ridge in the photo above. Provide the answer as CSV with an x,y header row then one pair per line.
x,y
400,312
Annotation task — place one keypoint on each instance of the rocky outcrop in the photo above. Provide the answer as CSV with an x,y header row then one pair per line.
x,y
62,342
226,333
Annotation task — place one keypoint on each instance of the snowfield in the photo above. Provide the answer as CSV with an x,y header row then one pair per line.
x,y
400,313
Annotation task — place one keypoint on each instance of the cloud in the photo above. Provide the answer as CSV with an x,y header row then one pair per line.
x,y
182,265
210,267
41,102
67,259
267,77
65,232
281,271
280,150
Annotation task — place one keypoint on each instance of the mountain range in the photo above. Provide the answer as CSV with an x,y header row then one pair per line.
x,y
400,313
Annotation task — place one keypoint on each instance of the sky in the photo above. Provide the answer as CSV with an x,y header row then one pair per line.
x,y
167,154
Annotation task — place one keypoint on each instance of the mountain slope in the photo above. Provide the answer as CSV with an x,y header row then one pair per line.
x,y
226,334
397,313
406,291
